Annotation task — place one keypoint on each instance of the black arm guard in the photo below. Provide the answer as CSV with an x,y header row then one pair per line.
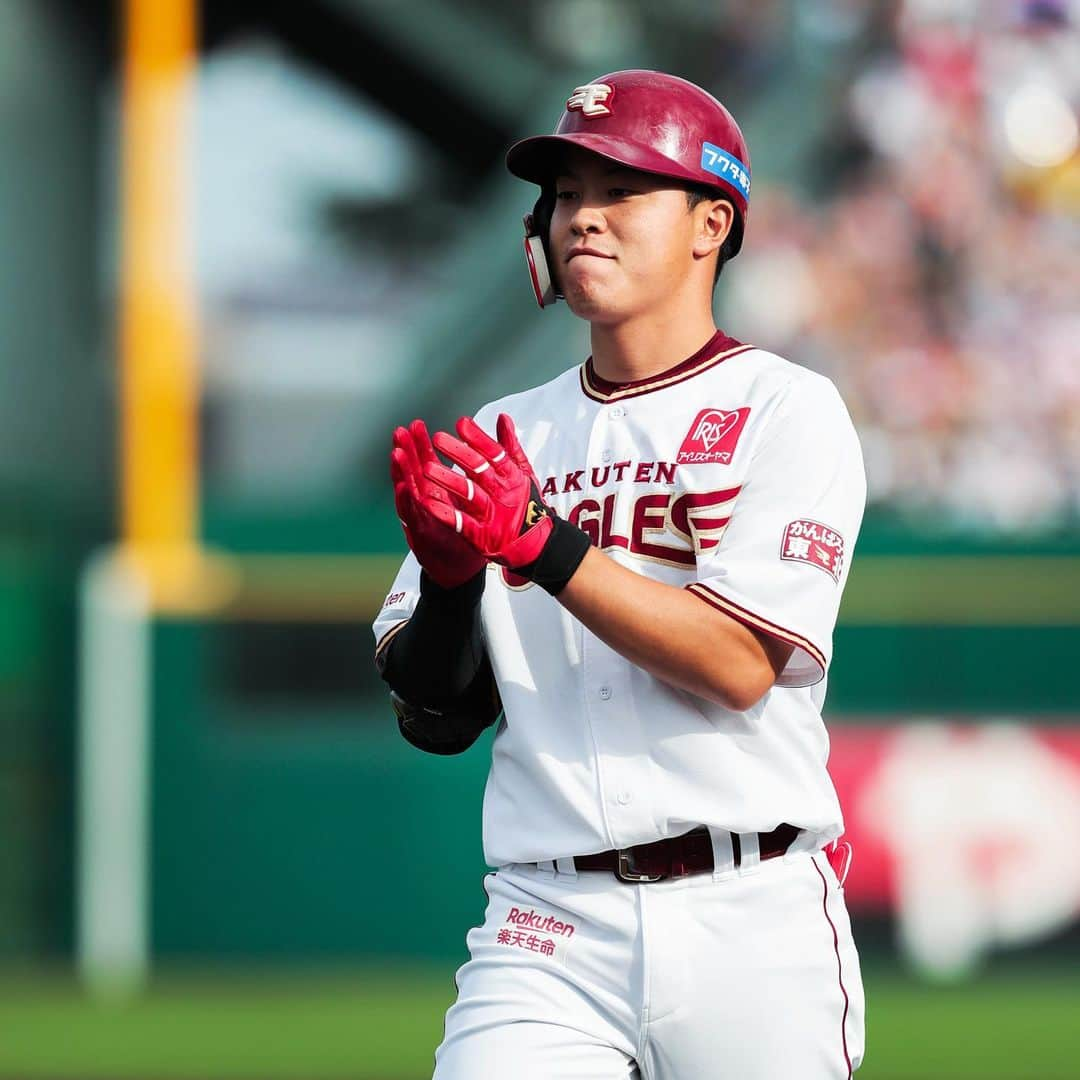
x,y
434,658
455,726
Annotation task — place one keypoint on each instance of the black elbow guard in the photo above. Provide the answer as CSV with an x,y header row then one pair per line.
x,y
454,726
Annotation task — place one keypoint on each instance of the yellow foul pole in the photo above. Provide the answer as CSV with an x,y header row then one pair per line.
x,y
159,384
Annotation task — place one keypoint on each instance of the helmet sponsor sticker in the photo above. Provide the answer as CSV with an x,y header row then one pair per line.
x,y
727,167
592,100
816,544
712,437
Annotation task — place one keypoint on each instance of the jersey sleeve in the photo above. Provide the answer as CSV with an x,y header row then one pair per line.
x,y
782,561
399,604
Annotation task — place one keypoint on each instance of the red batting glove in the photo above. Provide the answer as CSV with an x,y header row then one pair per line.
x,y
499,508
501,512
448,559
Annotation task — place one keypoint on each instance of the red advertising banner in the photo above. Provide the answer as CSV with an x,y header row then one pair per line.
x,y
969,833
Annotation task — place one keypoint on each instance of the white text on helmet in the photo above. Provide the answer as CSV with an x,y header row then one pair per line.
x,y
718,161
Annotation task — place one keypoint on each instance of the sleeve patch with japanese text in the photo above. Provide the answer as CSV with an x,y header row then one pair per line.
x,y
814,543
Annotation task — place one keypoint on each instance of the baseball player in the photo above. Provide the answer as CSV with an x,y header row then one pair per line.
x,y
635,570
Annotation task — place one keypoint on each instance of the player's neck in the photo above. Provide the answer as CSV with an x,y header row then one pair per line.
x,y
639,349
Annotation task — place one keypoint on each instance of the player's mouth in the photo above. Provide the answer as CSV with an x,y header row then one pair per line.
x,y
575,252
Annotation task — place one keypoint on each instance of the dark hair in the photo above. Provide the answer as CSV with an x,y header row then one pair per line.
x,y
698,193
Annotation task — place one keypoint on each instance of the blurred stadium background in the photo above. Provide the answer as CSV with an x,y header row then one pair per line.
x,y
243,239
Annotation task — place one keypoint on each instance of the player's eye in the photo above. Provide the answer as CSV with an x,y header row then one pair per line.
x,y
619,192
565,196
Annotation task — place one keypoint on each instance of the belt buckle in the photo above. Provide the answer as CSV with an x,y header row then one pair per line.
x,y
624,872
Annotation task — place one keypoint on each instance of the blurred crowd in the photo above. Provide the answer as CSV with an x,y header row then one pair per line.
x,y
925,252
938,280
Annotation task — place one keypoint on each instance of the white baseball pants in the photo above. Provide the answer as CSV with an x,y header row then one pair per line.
x,y
742,974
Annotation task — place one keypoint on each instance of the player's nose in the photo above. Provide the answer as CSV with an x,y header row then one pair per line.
x,y
587,219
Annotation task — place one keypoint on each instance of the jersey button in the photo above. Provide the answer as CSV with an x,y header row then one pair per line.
x,y
623,797
604,692
606,456
617,412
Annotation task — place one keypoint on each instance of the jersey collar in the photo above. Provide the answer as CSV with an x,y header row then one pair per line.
x,y
717,349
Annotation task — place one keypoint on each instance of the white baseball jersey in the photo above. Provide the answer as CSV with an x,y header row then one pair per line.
x,y
735,474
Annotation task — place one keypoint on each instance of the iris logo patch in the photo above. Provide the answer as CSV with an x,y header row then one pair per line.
x,y
727,167
712,437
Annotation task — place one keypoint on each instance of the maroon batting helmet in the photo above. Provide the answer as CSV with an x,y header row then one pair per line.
x,y
650,121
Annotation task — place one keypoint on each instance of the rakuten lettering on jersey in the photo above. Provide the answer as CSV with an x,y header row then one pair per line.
x,y
712,437
535,921
542,934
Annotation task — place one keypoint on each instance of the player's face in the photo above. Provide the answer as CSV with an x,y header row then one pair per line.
x,y
622,241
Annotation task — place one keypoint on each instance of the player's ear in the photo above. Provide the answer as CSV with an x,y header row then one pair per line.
x,y
713,220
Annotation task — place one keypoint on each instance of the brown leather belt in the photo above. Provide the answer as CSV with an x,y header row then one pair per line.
x,y
679,856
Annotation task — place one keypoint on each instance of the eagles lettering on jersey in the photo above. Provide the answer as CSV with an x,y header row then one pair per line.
x,y
641,508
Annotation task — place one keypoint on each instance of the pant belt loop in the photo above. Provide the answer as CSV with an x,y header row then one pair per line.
x,y
723,852
546,867
566,866
751,853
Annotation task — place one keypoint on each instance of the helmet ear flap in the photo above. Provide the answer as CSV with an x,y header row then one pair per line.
x,y
541,215
537,251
